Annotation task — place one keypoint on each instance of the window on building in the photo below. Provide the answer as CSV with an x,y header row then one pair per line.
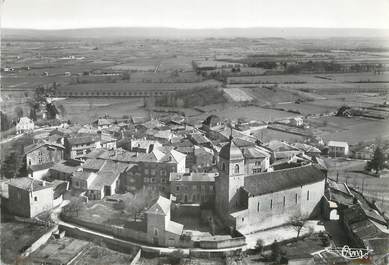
x,y
177,188
242,219
146,171
284,202
307,195
152,172
211,188
194,187
236,169
35,198
223,166
295,198
155,231
271,204
258,207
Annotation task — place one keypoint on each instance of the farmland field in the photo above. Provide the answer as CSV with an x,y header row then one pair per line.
x,y
93,108
237,94
352,130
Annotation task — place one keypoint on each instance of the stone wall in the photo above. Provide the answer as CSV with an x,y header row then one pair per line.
x,y
274,209
39,242
120,232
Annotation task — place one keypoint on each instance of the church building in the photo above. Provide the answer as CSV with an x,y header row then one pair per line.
x,y
251,202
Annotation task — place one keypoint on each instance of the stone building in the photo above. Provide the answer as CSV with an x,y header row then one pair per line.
x,y
193,187
150,170
252,202
161,230
29,197
78,147
336,148
43,152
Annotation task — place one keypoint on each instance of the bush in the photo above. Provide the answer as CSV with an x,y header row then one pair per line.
x,y
176,257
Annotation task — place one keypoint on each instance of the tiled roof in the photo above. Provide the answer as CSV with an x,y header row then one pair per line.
x,y
174,228
29,183
199,138
255,152
337,144
84,175
160,207
282,179
93,164
82,140
307,148
200,177
41,166
32,147
280,146
62,167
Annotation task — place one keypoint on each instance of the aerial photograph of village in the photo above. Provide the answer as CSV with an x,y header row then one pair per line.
x,y
194,132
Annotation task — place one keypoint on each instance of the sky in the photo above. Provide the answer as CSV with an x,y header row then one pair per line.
x,y
62,14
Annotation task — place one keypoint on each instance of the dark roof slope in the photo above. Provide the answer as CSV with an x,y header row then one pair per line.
x,y
212,120
282,179
231,152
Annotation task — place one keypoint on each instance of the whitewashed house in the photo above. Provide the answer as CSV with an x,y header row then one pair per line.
x,y
24,125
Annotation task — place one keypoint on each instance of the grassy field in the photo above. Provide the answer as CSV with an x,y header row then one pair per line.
x,y
65,249
251,112
16,237
93,108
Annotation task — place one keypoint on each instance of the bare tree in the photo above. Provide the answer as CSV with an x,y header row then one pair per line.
x,y
298,222
74,207
140,201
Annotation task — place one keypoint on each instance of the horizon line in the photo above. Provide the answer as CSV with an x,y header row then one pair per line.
x,y
195,28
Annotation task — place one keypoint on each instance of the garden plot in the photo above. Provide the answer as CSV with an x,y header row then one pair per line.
x,y
237,94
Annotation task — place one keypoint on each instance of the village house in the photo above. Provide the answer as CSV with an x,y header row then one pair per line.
x,y
204,159
161,230
64,170
152,169
99,178
309,150
143,145
43,152
103,123
296,121
24,125
193,187
40,157
251,202
78,147
282,150
108,142
28,197
212,122
364,152
336,148
250,127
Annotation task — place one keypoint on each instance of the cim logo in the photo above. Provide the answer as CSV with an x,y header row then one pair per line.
x,y
351,253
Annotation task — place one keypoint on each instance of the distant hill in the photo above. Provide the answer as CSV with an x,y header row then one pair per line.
x,y
138,32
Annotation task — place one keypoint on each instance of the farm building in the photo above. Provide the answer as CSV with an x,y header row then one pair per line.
x,y
336,148
129,89
24,125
